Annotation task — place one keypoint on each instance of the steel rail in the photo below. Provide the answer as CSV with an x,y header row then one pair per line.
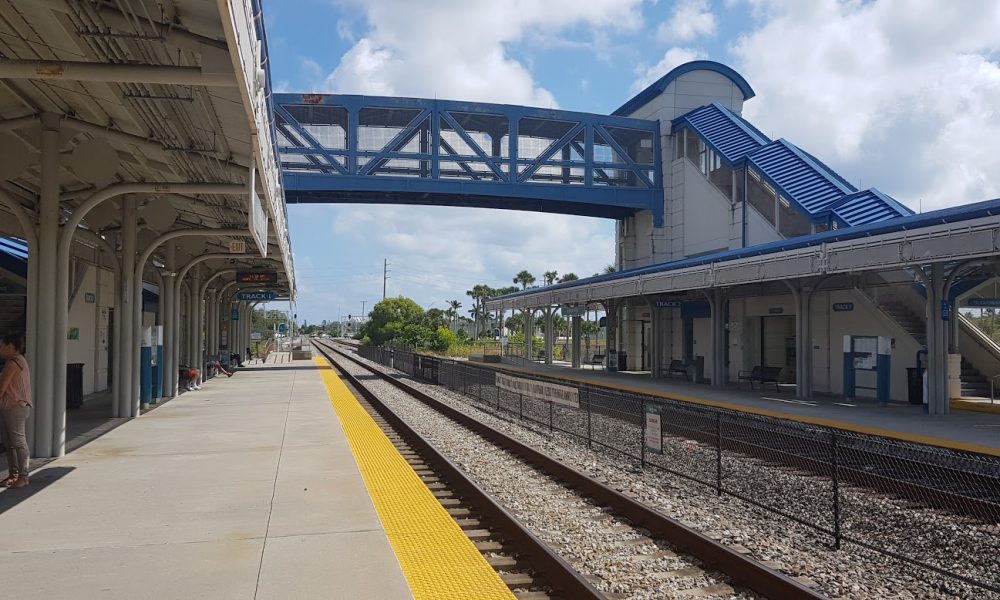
x,y
557,572
742,569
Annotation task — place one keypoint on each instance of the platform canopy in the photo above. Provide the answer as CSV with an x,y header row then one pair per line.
x,y
143,92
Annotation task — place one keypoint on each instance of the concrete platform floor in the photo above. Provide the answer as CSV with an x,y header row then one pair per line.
x,y
244,489
974,430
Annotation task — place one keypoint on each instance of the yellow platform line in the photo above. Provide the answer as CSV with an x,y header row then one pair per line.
x,y
437,559
832,423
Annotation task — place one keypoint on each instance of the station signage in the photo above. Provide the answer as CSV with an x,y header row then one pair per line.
x,y
653,428
234,314
945,310
775,310
237,247
573,311
540,390
261,277
254,336
257,296
843,306
668,304
983,302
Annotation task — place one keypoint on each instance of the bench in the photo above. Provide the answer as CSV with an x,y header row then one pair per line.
x,y
677,367
596,360
760,374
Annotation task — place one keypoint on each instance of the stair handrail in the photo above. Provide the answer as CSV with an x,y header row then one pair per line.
x,y
979,335
993,383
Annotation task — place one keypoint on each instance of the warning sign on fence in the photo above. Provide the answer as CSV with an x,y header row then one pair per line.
x,y
540,390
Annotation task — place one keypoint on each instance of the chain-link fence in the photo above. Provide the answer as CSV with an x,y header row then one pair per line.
x,y
926,505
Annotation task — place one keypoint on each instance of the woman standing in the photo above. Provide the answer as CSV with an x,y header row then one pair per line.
x,y
15,404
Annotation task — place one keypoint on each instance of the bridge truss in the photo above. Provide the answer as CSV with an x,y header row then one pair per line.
x,y
386,150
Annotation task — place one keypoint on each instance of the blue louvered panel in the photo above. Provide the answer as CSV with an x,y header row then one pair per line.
x,y
729,135
866,207
797,179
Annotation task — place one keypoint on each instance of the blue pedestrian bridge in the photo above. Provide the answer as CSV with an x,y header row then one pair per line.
x,y
386,150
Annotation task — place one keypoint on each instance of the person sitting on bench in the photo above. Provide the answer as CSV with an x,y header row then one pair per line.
x,y
189,377
219,368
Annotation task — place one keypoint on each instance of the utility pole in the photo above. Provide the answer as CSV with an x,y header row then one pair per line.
x,y
363,311
385,275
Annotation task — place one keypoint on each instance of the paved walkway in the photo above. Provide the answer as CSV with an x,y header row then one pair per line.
x,y
960,429
245,489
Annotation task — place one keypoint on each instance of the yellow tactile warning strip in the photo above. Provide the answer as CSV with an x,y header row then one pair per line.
x,y
888,433
975,406
437,559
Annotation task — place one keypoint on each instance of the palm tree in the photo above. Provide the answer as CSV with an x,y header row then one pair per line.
x,y
478,293
525,279
550,277
568,277
455,305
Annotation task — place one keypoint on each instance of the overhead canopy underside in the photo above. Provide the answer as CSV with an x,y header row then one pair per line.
x,y
115,129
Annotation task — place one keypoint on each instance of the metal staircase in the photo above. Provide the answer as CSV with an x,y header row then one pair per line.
x,y
974,383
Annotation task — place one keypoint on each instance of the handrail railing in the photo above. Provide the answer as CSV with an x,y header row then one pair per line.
x,y
988,343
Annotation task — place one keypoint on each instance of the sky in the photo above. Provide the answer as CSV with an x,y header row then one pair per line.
x,y
899,95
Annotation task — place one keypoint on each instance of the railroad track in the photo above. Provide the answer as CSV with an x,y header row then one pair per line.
x,y
732,563
526,565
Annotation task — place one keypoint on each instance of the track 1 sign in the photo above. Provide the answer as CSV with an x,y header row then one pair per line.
x,y
257,296
262,277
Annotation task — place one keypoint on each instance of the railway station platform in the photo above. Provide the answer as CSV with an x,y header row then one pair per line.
x,y
247,488
960,430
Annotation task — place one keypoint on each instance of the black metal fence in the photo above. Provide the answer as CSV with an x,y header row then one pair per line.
x,y
864,489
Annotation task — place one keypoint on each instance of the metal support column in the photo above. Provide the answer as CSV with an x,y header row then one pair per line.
x,y
654,360
717,300
937,359
576,334
550,337
168,370
49,336
127,339
529,331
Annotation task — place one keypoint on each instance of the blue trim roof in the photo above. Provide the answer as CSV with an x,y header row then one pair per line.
x,y
988,208
661,84
729,135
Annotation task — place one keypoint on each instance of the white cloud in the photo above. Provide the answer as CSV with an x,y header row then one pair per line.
x,y
457,50
899,95
690,20
673,57
439,252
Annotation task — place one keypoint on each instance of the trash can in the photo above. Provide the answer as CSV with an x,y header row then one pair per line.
x,y
74,385
623,361
915,385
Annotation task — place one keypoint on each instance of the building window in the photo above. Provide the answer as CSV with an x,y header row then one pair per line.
x,y
761,196
791,222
